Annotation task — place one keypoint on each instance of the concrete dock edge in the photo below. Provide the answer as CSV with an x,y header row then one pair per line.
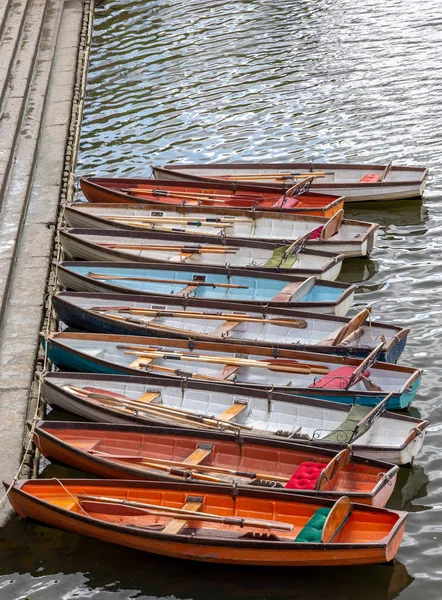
x,y
39,158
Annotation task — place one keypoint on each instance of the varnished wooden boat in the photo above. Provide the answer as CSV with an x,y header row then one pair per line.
x,y
328,377
373,433
168,454
353,238
356,182
231,286
223,194
212,524
129,314
119,245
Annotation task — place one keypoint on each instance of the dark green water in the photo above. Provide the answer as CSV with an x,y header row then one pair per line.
x,y
262,79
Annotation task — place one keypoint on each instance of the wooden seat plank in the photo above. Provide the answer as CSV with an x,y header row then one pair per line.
x,y
187,290
148,397
139,362
225,328
176,525
226,372
295,290
198,455
232,411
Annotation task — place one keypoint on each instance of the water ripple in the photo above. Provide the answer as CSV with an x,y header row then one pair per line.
x,y
292,80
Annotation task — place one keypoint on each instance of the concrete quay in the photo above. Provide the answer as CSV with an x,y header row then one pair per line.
x,y
44,48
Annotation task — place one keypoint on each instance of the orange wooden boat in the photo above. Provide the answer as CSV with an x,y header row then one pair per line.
x,y
296,199
161,453
212,524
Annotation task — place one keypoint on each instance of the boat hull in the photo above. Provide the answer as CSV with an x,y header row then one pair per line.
x,y
411,186
73,276
106,190
85,244
236,552
55,393
79,317
358,239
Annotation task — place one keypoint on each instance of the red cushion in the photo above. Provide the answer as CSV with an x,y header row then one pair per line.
x,y
337,379
316,233
285,202
305,476
370,178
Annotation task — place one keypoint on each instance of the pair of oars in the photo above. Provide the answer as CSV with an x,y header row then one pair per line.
x,y
191,468
221,223
197,283
169,412
240,318
197,196
277,364
287,175
172,248
179,513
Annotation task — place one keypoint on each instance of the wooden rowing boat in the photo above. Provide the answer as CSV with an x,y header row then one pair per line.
x,y
357,182
209,523
129,314
222,194
373,433
352,238
231,286
168,454
119,245
328,377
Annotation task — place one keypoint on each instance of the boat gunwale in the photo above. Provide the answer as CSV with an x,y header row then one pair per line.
x,y
73,235
371,227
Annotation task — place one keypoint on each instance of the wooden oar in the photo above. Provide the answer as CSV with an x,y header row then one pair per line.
x,y
364,424
336,337
298,186
171,248
179,472
365,364
194,515
386,171
157,280
200,467
298,323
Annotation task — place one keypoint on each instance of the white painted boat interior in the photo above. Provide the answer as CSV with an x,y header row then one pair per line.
x,y
285,227
388,380
315,330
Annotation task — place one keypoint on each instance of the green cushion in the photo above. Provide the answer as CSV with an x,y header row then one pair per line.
x,y
344,432
313,529
277,259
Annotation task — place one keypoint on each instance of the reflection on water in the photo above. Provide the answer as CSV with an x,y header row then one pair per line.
x,y
69,564
292,80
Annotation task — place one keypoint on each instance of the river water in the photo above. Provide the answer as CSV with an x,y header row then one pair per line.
x,y
332,80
